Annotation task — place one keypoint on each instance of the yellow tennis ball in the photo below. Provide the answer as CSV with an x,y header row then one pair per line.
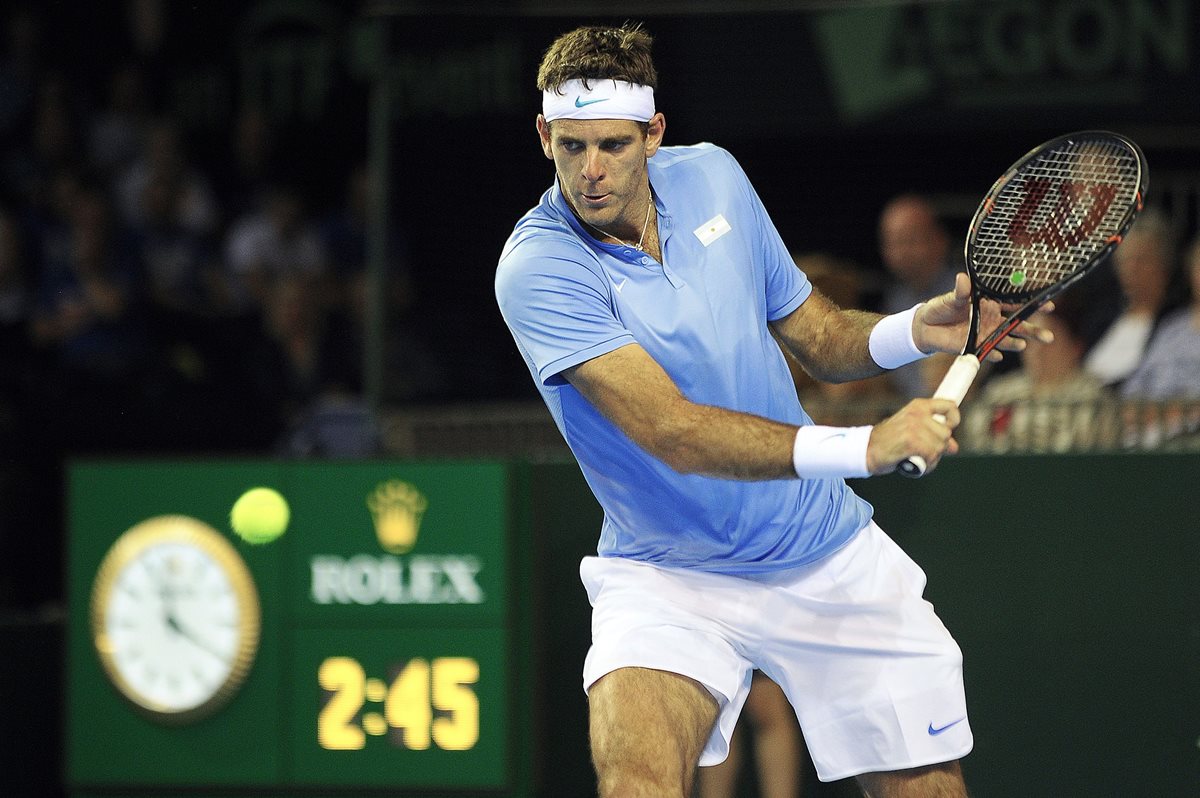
x,y
260,515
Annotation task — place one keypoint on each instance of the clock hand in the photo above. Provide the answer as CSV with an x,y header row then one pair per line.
x,y
187,634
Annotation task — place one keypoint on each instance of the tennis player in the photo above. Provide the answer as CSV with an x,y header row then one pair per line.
x,y
641,291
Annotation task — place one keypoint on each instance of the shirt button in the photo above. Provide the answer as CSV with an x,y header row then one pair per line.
x,y
645,261
628,252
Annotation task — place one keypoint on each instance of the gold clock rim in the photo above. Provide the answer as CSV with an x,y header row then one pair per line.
x,y
185,530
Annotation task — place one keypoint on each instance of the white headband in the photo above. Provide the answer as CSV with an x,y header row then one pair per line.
x,y
606,99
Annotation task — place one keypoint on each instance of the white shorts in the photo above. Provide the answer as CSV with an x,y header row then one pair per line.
x,y
874,677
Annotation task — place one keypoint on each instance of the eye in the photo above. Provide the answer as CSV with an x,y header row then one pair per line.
x,y
571,146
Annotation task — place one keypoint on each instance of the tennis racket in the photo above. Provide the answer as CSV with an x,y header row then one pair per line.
x,y
1052,218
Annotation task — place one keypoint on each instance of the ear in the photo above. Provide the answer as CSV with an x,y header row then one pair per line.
x,y
543,129
655,133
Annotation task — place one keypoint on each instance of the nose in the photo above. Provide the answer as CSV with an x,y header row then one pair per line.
x,y
593,166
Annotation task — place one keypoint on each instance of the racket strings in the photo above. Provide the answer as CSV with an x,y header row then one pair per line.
x,y
1050,218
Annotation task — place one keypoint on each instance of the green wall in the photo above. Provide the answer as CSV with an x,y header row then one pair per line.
x,y
1070,583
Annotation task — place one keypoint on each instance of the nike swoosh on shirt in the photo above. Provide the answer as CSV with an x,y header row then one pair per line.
x,y
580,102
935,732
620,285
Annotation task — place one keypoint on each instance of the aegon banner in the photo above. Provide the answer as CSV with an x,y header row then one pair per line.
x,y
1014,54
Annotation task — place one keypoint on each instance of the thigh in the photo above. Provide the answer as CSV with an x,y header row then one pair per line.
x,y
647,730
646,618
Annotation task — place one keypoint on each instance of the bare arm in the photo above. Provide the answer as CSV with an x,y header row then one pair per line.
x,y
831,343
635,393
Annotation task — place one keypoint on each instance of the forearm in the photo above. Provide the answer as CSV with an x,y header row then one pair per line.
x,y
836,345
633,392
836,348
716,442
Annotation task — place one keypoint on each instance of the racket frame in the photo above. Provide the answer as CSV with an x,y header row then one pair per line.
x,y
963,370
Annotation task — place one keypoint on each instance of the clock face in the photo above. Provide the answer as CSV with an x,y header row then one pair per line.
x,y
175,617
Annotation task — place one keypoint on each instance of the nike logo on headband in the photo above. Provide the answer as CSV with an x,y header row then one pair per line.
x,y
579,102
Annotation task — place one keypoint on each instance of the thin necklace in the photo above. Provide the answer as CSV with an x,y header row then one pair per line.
x,y
645,224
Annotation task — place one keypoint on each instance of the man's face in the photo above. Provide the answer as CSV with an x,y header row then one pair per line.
x,y
601,167
911,243
1142,266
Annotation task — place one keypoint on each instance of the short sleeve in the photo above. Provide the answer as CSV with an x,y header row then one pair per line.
x,y
559,312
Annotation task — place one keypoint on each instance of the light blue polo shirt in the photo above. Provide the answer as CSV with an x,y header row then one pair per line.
x,y
702,315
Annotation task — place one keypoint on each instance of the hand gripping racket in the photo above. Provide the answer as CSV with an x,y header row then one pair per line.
x,y
1053,217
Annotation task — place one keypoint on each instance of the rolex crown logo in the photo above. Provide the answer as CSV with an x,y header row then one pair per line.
x,y
396,508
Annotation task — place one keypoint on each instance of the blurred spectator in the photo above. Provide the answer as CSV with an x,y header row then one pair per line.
x,y
88,323
181,266
278,241
410,368
164,158
86,291
308,369
779,751
49,148
246,180
117,134
915,250
305,349
1169,374
337,422
1171,366
344,232
1049,404
1143,265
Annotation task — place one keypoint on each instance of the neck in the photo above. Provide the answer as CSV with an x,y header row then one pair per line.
x,y
631,234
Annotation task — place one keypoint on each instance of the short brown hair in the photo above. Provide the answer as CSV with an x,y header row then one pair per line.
x,y
599,53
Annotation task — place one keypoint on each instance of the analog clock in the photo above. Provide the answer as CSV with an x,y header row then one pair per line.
x,y
175,618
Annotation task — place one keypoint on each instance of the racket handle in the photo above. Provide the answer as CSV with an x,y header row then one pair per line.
x,y
954,387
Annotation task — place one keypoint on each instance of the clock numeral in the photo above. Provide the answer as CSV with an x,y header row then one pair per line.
x,y
345,679
407,708
427,703
458,730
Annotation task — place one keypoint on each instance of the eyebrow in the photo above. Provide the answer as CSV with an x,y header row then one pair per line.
x,y
602,142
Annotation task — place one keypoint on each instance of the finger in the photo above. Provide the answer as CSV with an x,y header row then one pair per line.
x,y
1011,344
962,286
945,408
1030,331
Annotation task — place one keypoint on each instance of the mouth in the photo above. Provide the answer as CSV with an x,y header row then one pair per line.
x,y
594,200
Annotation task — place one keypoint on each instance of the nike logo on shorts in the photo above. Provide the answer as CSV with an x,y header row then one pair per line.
x,y
935,732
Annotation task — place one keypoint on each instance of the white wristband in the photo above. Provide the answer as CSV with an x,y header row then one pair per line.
x,y
891,343
829,452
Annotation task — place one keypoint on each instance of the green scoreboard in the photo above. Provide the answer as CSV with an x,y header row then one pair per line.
x,y
378,645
